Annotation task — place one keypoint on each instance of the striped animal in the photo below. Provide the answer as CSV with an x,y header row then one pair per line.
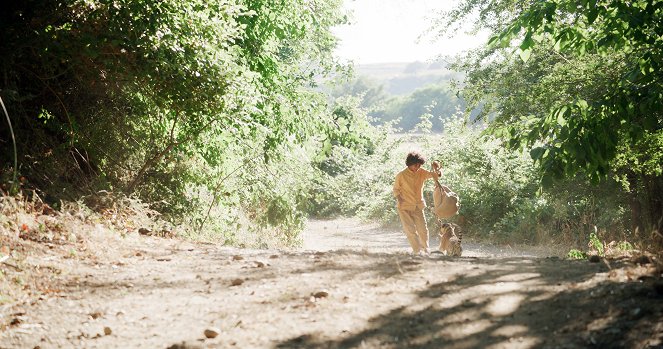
x,y
450,239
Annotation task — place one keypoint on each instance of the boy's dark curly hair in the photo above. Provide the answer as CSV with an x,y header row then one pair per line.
x,y
414,157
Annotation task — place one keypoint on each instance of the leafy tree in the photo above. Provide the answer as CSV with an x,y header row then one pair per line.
x,y
354,166
163,98
629,109
372,93
415,67
583,90
437,100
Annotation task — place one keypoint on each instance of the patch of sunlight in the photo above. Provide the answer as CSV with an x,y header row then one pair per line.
x,y
510,330
460,316
502,287
518,277
600,323
451,301
463,329
496,288
504,304
489,291
543,297
593,281
517,343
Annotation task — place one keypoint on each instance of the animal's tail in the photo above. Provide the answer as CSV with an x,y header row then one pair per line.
x,y
458,232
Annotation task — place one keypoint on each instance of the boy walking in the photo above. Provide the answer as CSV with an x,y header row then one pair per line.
x,y
408,190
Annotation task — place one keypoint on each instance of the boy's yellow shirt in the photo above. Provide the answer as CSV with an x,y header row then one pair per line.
x,y
410,186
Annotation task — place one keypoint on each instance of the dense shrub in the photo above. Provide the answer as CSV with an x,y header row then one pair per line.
x,y
501,197
192,106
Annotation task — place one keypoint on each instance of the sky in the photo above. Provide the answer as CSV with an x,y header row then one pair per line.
x,y
384,31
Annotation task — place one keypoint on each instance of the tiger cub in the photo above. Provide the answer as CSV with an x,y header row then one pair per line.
x,y
450,239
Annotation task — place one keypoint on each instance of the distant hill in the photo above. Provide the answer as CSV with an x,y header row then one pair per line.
x,y
404,77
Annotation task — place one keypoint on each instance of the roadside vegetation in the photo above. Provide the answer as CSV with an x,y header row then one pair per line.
x,y
202,110
567,143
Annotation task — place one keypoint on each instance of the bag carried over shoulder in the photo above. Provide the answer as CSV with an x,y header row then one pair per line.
x,y
445,202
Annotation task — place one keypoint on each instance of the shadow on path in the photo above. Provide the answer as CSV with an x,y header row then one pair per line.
x,y
524,303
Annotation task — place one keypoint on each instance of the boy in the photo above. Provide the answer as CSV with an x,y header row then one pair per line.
x,y
408,190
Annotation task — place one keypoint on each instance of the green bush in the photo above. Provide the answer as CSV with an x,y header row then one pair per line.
x,y
199,108
576,254
501,197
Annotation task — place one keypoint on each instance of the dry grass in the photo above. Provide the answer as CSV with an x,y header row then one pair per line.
x,y
33,236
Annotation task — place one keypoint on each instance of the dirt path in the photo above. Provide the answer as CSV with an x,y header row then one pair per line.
x,y
353,234
351,286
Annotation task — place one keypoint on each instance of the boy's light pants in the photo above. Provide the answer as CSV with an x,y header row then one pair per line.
x,y
414,226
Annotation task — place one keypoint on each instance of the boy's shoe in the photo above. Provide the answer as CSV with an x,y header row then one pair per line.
x,y
424,253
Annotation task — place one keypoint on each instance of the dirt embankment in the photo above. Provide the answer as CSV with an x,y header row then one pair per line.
x,y
352,286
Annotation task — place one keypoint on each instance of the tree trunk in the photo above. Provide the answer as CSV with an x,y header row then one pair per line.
x,y
654,194
148,165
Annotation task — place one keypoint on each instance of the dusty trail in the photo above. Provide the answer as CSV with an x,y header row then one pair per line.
x,y
352,234
351,286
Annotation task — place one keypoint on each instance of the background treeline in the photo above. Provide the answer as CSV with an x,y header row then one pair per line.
x,y
402,92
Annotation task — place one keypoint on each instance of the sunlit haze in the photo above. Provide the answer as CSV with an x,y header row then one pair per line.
x,y
383,31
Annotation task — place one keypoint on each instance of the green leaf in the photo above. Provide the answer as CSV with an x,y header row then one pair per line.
x,y
645,66
527,42
592,14
537,153
525,54
560,114
560,119
493,40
